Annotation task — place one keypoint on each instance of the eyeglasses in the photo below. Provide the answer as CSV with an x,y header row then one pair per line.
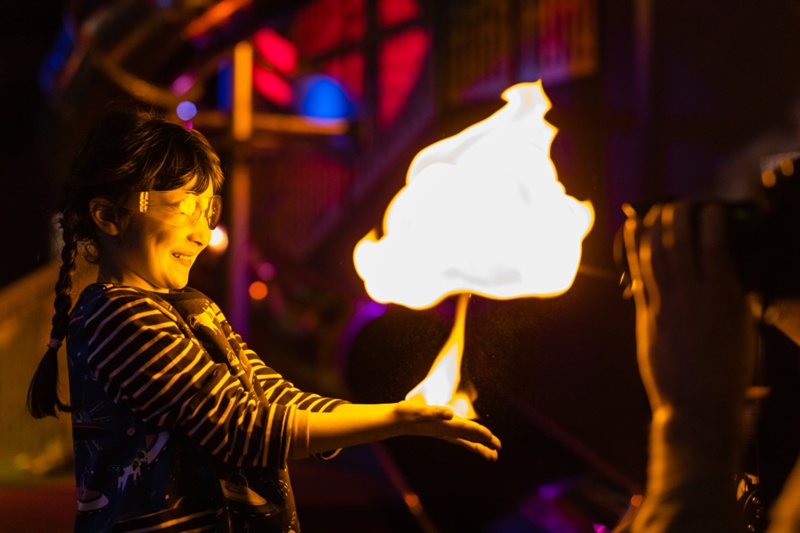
x,y
181,209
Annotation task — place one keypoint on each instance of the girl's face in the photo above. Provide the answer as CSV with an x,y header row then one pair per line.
x,y
155,254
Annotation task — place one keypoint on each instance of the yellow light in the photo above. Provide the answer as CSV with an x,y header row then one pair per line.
x,y
242,113
258,290
768,178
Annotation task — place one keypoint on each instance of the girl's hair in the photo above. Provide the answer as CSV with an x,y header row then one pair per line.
x,y
127,152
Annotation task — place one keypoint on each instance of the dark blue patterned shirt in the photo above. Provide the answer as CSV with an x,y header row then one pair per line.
x,y
177,425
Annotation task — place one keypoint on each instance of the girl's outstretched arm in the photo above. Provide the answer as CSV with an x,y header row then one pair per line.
x,y
353,424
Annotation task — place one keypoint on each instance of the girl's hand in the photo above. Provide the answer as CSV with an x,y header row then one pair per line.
x,y
418,418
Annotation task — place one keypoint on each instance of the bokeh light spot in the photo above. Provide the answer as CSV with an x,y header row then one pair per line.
x,y
324,97
219,239
186,110
258,290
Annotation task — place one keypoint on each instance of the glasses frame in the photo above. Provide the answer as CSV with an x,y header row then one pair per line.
x,y
212,212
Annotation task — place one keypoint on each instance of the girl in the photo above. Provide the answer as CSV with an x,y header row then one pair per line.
x,y
177,424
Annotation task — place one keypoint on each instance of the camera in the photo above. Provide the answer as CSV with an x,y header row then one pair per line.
x,y
764,234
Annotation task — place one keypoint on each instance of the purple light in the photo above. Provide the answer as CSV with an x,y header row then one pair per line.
x,y
549,492
186,110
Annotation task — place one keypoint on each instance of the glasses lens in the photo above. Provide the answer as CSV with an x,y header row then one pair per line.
x,y
190,206
183,211
214,211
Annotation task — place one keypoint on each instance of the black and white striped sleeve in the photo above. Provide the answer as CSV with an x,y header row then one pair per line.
x,y
146,363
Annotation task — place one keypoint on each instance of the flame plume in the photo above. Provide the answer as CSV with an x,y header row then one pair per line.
x,y
482,213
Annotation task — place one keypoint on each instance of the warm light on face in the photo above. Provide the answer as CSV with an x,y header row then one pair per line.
x,y
483,213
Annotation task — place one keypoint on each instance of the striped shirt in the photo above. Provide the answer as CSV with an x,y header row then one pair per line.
x,y
176,421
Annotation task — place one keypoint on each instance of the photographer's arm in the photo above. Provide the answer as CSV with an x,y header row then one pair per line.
x,y
696,346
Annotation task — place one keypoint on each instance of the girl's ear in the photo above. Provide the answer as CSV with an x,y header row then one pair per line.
x,y
102,212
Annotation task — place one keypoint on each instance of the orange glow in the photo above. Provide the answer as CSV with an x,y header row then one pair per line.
x,y
219,239
442,385
242,119
215,16
258,290
482,212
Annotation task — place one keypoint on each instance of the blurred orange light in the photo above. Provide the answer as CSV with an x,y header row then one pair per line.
x,y
219,239
258,290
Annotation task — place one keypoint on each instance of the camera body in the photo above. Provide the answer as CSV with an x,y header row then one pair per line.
x,y
764,234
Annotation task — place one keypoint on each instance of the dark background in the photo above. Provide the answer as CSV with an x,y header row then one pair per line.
x,y
684,99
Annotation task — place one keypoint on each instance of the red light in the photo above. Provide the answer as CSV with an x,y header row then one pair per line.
x,y
401,61
271,86
394,12
350,70
327,24
276,50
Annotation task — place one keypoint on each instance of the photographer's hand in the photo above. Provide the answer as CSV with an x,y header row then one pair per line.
x,y
696,350
783,313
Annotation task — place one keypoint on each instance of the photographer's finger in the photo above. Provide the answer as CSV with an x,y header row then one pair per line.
x,y
715,260
679,241
631,234
651,255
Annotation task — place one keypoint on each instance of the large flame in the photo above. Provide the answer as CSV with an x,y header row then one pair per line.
x,y
482,212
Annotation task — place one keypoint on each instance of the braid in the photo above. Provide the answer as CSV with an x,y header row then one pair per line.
x,y
43,399
126,152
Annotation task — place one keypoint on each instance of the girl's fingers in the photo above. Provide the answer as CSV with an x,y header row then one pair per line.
x,y
476,447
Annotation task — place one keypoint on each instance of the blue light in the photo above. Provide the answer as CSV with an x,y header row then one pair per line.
x,y
186,110
55,61
225,86
324,97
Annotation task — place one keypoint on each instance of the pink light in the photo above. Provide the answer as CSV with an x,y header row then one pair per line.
x,y
276,50
394,12
182,83
271,86
266,271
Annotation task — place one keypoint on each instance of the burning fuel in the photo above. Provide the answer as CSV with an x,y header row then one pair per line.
x,y
482,212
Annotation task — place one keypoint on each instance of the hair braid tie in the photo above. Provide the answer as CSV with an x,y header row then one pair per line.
x,y
54,343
